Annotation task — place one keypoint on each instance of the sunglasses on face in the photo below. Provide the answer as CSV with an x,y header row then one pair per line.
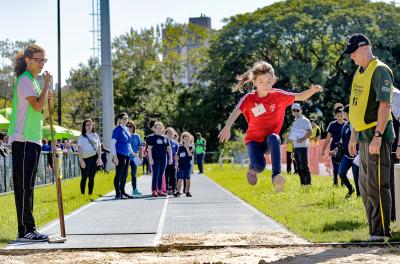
x,y
296,110
39,60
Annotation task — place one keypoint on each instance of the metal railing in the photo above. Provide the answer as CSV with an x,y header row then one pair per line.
x,y
69,168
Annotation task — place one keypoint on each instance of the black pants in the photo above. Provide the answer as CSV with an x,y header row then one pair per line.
x,y
335,166
25,159
289,162
200,161
301,156
170,176
88,173
121,173
147,165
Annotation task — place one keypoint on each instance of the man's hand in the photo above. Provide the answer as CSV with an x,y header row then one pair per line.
x,y
375,145
352,148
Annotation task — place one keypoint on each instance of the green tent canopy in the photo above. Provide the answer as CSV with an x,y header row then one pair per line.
x,y
74,133
59,132
6,112
3,122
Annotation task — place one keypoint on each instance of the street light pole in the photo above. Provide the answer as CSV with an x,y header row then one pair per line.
x,y
59,64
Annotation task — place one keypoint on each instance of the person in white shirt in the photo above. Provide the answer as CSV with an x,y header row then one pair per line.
x,y
89,151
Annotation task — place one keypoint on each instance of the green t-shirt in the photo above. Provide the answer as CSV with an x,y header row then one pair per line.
x,y
381,90
200,145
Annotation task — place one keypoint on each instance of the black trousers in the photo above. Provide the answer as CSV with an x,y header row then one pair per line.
x,y
301,155
25,159
121,173
170,176
88,173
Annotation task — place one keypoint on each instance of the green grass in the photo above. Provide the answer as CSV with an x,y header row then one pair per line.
x,y
318,213
45,204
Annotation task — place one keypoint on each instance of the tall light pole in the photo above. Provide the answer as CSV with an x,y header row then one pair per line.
x,y
106,71
59,64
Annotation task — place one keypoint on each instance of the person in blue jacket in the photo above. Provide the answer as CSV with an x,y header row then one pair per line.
x,y
121,150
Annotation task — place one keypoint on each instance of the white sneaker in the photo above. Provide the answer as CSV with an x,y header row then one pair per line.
x,y
279,182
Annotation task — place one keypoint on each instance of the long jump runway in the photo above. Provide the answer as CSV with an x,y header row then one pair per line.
x,y
142,222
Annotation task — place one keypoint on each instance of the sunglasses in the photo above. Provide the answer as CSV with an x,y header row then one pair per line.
x,y
129,126
296,110
39,60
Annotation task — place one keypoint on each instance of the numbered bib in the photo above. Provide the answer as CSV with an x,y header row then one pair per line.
x,y
182,154
159,141
258,110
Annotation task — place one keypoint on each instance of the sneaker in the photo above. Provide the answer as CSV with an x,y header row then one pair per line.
x,y
376,239
279,182
188,194
136,192
252,176
125,195
118,196
169,192
161,194
154,194
33,236
177,194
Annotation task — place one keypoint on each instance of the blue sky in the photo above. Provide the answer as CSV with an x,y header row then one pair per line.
x,y
23,20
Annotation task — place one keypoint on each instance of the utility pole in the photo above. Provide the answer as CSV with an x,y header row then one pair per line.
x,y
106,71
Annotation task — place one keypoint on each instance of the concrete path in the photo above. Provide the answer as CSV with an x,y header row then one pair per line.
x,y
110,223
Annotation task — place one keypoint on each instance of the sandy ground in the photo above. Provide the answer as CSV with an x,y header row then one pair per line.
x,y
224,255
248,252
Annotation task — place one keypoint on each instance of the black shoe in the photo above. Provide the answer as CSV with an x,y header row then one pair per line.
x,y
33,236
125,195
348,195
118,196
188,194
177,194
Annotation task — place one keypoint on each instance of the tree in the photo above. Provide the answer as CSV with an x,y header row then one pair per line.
x,y
303,40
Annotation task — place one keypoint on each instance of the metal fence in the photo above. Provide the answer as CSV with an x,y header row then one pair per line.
x,y
68,164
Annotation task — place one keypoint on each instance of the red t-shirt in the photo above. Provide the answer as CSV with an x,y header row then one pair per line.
x,y
272,115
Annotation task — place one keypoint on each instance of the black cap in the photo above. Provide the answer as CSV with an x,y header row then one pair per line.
x,y
357,40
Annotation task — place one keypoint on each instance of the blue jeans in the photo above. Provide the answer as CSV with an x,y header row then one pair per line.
x,y
200,160
256,150
158,172
133,174
344,167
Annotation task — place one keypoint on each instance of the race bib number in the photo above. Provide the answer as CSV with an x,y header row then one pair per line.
x,y
182,154
258,110
159,141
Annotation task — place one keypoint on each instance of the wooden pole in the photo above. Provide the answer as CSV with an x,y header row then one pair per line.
x,y
56,174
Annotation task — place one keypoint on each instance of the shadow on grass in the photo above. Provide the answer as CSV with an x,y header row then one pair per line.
x,y
342,226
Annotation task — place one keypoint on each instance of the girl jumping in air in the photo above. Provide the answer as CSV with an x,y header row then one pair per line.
x,y
264,110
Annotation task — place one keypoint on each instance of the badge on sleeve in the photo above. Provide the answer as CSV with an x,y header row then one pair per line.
x,y
258,110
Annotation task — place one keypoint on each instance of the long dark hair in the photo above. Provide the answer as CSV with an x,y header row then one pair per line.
x,y
20,63
84,127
